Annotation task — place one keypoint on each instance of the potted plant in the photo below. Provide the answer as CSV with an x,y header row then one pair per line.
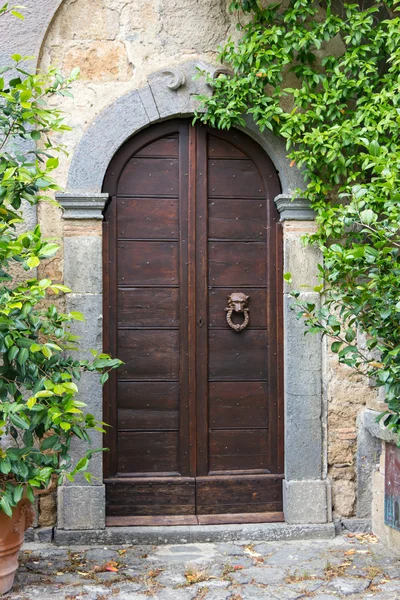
x,y
40,413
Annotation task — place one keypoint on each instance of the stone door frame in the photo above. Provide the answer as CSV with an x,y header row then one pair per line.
x,y
170,93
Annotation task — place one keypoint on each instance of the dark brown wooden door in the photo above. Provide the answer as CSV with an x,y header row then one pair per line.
x,y
196,410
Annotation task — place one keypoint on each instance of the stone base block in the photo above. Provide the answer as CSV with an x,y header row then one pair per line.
x,y
194,534
353,525
81,507
307,501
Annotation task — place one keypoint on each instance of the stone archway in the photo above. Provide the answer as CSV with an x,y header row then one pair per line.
x,y
171,93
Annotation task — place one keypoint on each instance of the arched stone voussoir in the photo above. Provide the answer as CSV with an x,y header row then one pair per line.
x,y
169,93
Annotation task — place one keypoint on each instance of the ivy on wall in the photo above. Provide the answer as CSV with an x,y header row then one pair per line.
x,y
340,117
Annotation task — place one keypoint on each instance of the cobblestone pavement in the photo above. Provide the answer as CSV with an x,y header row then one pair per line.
x,y
353,566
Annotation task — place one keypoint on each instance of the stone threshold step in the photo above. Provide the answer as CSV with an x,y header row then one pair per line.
x,y
189,534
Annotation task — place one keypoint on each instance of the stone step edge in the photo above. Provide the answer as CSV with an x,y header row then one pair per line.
x,y
266,532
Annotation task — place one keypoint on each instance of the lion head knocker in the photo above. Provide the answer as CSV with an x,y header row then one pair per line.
x,y
237,302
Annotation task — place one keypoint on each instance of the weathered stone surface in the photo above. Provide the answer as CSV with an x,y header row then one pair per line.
x,y
299,260
347,586
83,264
47,510
99,61
344,498
303,399
89,330
195,534
26,37
294,209
81,507
84,206
264,575
306,501
368,453
89,20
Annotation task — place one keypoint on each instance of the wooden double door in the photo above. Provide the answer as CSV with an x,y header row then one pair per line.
x,y
192,305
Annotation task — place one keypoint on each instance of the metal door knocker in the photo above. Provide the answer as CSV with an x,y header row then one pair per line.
x,y
237,302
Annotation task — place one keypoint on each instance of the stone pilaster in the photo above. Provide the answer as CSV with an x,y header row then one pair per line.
x,y
306,490
81,505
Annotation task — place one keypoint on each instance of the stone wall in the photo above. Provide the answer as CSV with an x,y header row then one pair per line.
x,y
117,45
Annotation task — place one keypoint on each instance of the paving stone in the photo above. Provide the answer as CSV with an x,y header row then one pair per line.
x,y
171,579
229,550
264,575
101,554
347,585
252,592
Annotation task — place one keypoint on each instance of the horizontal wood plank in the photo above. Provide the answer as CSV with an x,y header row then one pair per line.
x,y
150,177
244,404
147,218
238,449
147,420
148,263
238,356
237,219
250,494
153,521
151,395
234,179
148,307
166,147
237,264
219,148
148,451
221,519
164,496
148,354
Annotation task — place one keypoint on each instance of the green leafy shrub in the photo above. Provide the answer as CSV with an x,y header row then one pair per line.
x,y
40,414
341,121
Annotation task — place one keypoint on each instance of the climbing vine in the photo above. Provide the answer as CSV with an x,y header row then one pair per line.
x,y
326,77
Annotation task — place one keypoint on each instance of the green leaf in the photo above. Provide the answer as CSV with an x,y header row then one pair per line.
x,y
33,261
78,316
335,347
18,15
5,505
18,422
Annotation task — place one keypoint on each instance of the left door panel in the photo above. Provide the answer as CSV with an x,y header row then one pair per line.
x,y
146,276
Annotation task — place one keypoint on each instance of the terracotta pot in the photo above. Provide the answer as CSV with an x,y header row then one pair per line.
x,y
12,531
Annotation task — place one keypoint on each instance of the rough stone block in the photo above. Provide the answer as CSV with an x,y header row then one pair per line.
x,y
89,330
81,507
303,398
44,534
368,453
306,501
90,392
378,430
300,261
83,264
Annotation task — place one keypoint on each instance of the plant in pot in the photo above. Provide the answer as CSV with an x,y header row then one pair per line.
x,y
40,413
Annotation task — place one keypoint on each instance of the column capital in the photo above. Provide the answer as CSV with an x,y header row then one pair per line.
x,y
294,209
82,206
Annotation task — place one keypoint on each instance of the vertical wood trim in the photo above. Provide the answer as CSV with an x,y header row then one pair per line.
x,y
202,303
191,302
271,298
184,392
280,352
110,301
